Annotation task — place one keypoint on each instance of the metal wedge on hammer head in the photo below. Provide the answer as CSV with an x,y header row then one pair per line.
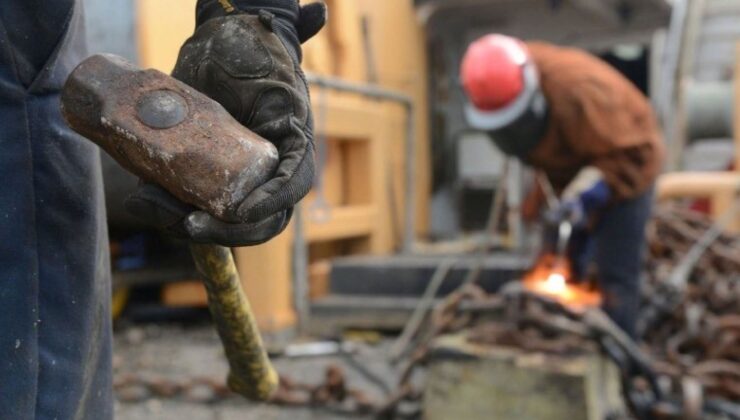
x,y
167,133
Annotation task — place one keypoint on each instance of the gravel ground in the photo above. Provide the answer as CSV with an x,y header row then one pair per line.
x,y
177,353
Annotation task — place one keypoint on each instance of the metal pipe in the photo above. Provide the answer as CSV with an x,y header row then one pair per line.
x,y
666,96
369,91
710,108
722,188
514,204
374,92
697,184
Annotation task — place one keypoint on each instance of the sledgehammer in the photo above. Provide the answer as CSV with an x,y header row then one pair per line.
x,y
167,133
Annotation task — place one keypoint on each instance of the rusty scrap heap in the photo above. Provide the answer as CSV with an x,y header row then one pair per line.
x,y
693,329
686,364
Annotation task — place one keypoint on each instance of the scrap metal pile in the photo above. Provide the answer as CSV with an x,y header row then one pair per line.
x,y
653,386
686,364
693,329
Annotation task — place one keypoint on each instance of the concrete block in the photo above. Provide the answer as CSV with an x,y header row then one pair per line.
x,y
467,381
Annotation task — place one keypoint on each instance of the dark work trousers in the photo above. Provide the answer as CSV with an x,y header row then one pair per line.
x,y
55,333
616,247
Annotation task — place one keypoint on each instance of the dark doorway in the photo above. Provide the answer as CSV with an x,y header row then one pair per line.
x,y
632,62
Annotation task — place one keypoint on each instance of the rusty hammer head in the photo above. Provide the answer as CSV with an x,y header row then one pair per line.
x,y
167,133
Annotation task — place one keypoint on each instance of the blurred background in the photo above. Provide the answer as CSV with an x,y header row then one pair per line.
x,y
404,185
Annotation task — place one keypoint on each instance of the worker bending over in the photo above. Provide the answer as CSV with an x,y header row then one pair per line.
x,y
594,136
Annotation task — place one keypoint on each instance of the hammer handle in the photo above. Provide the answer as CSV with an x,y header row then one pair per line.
x,y
250,372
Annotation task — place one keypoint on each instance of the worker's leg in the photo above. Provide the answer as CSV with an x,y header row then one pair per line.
x,y
620,244
54,275
580,252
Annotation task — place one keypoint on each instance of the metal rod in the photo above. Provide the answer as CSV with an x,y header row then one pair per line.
x,y
671,66
513,204
382,94
370,91
494,216
552,199
301,285
425,304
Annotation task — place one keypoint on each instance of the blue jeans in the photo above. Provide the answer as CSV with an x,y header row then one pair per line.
x,y
55,332
616,246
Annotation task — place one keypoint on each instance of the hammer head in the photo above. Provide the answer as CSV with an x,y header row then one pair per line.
x,y
167,133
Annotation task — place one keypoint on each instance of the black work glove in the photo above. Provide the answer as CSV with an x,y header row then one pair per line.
x,y
246,54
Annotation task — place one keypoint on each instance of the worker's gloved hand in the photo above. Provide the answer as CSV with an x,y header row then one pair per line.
x,y
159,208
580,209
584,197
574,212
246,54
596,197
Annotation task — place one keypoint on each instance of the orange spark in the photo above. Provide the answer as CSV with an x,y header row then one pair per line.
x,y
551,277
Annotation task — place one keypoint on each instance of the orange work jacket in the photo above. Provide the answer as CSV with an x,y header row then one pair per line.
x,y
598,118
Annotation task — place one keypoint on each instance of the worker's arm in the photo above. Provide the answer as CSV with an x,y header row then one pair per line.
x,y
246,55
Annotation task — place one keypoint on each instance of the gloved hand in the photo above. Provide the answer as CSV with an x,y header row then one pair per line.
x,y
578,210
246,54
574,212
596,197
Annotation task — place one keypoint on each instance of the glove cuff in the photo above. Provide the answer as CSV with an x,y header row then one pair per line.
x,y
287,10
209,9
595,197
285,15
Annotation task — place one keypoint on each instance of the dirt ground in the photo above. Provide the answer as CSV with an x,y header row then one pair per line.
x,y
183,352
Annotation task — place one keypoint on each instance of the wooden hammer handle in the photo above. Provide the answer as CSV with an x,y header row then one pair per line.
x,y
250,372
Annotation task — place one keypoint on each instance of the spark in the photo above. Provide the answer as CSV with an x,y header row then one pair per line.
x,y
555,284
